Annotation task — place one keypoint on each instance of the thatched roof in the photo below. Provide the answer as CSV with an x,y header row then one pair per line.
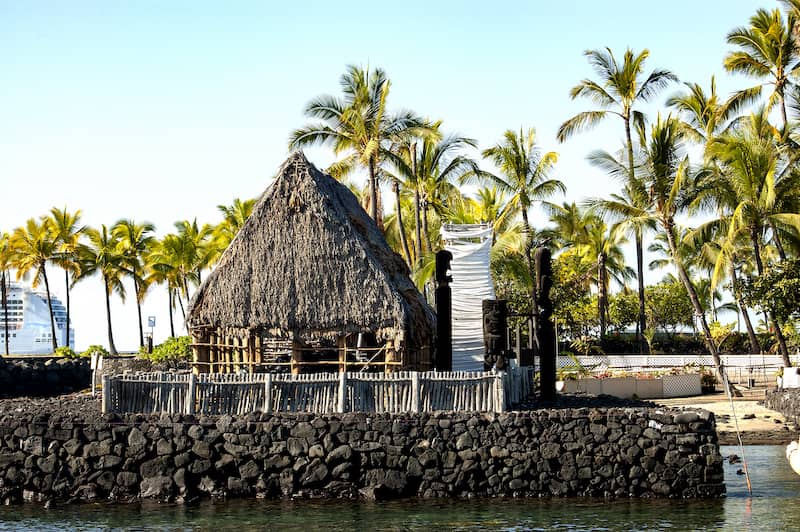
x,y
310,261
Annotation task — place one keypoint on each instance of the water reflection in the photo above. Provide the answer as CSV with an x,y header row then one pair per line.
x,y
772,507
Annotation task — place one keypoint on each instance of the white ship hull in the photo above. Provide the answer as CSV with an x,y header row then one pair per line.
x,y
28,318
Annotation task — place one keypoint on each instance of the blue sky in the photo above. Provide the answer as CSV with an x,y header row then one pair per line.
x,y
160,111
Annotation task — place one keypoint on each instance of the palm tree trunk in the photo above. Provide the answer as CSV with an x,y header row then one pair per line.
x,y
112,349
50,307
778,243
428,245
139,312
171,306
5,307
400,225
755,345
641,321
698,308
373,190
783,349
529,256
66,287
418,222
602,300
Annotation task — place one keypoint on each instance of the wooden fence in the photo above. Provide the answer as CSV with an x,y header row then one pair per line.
x,y
237,394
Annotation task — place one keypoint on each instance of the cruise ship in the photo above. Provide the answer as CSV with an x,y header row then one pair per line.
x,y
29,330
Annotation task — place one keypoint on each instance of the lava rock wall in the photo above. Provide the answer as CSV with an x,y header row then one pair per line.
x,y
55,376
568,452
787,402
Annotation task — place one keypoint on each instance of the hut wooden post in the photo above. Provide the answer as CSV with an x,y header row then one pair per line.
x,y
390,355
297,357
227,350
213,351
200,352
342,341
256,354
233,366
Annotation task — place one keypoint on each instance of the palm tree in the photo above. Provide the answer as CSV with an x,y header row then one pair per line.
x,y
68,232
32,247
358,123
135,242
571,224
423,166
179,260
767,50
629,211
524,178
586,232
103,256
233,218
162,265
666,179
618,91
750,192
5,258
706,116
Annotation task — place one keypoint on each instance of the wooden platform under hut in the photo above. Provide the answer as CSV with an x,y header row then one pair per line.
x,y
310,284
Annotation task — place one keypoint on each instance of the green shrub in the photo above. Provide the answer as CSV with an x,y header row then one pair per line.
x,y
99,349
66,352
179,348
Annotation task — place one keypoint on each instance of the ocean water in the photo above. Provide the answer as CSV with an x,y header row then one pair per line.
x,y
774,505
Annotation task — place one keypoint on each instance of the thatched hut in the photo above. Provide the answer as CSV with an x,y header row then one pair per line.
x,y
310,284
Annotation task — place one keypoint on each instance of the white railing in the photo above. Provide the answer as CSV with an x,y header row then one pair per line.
x,y
644,362
237,394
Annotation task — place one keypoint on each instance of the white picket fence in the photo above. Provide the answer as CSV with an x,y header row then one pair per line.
x,y
237,394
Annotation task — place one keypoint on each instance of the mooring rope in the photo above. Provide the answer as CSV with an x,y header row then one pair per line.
x,y
724,373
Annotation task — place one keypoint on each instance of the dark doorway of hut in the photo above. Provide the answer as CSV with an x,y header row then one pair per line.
x,y
355,352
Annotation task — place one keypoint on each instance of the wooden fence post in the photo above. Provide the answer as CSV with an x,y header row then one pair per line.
x,y
106,393
268,394
415,396
191,394
342,392
499,392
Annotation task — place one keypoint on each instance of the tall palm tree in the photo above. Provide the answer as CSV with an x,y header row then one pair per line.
x,y
162,265
32,247
67,231
666,179
180,259
629,212
359,124
524,178
423,166
621,87
103,256
5,259
767,50
135,242
750,193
